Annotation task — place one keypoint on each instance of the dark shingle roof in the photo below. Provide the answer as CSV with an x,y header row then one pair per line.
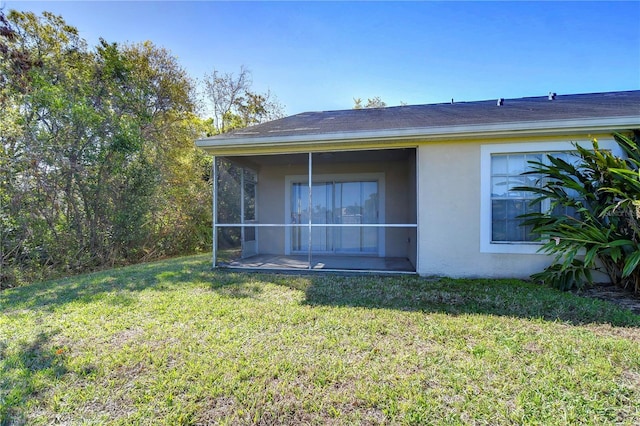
x,y
532,109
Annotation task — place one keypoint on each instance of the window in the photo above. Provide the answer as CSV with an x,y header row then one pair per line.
x,y
508,204
250,181
502,166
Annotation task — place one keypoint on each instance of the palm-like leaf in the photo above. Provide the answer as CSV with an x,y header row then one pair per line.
x,y
604,191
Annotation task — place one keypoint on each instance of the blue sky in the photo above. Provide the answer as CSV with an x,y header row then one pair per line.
x,y
320,55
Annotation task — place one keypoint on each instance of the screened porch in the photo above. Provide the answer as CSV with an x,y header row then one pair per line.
x,y
342,211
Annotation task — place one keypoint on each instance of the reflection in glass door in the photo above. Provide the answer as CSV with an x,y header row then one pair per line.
x,y
336,203
355,203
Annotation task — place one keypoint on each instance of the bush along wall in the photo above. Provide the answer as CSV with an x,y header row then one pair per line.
x,y
594,218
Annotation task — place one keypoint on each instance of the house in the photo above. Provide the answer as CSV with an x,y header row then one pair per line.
x,y
418,189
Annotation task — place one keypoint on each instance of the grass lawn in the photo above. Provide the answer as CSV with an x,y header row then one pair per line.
x,y
174,343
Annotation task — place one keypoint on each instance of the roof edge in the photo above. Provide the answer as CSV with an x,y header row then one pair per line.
x,y
522,128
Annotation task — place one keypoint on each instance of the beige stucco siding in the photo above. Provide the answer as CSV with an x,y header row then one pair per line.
x,y
448,215
270,203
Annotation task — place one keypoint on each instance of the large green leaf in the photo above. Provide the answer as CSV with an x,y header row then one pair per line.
x,y
604,192
632,263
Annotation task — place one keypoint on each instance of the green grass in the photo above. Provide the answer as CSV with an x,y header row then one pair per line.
x,y
174,343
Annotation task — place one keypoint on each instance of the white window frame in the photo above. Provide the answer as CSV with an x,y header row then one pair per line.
x,y
486,151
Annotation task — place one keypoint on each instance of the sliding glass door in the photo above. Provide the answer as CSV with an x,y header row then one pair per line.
x,y
355,203
335,203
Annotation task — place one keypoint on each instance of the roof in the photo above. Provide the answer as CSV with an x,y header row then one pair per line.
x,y
603,111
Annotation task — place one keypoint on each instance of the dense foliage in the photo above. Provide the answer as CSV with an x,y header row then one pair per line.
x,y
603,231
97,163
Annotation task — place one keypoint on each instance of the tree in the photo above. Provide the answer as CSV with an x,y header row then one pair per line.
x,y
33,174
97,161
601,226
15,61
235,105
223,91
375,102
97,164
254,108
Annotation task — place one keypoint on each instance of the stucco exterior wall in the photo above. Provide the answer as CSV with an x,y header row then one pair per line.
x,y
448,217
451,220
444,187
399,201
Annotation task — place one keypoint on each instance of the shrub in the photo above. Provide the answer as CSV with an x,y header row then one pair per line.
x,y
600,229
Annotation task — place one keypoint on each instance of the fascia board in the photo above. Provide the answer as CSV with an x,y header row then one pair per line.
x,y
524,128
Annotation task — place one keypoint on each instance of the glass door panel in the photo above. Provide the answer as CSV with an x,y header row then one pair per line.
x,y
336,203
299,215
320,214
370,215
356,203
348,210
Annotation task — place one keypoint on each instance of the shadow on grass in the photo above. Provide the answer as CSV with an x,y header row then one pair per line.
x,y
121,283
24,372
512,298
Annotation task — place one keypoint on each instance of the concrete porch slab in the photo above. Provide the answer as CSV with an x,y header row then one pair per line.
x,y
320,262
